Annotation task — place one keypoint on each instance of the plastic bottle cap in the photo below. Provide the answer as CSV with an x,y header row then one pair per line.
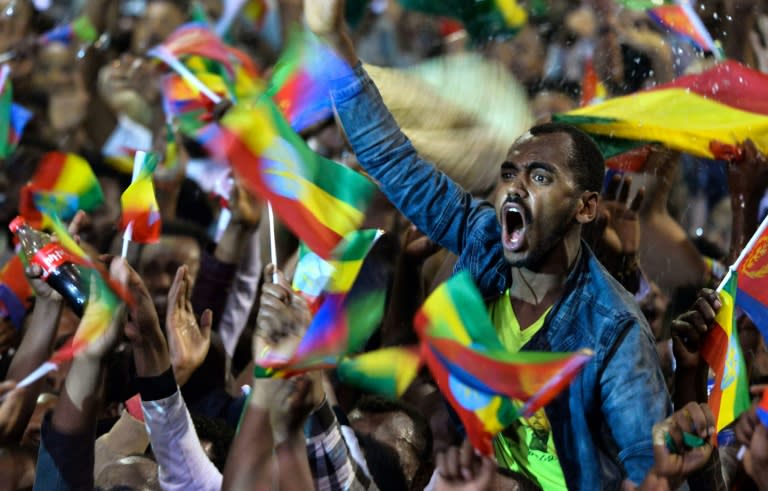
x,y
16,223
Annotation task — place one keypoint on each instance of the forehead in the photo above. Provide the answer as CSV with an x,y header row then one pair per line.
x,y
172,247
552,148
56,53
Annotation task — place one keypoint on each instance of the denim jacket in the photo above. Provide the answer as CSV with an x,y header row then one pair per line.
x,y
602,422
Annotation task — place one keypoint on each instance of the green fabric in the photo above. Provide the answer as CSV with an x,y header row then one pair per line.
x,y
642,4
609,147
531,451
481,18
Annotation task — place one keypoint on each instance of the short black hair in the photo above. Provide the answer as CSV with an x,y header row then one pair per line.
x,y
586,160
186,228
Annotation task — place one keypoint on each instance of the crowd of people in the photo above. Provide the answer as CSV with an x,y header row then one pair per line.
x,y
565,254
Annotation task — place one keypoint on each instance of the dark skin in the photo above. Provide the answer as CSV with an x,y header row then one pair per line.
x,y
537,174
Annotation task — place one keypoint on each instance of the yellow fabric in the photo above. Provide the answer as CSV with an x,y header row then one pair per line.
x,y
679,119
532,452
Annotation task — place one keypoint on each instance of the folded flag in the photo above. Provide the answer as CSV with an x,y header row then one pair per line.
x,y
140,221
476,374
752,294
300,84
388,371
320,201
686,115
683,21
81,30
65,182
15,291
13,118
483,19
722,352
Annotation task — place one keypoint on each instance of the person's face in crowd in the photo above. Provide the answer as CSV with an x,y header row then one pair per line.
x,y
55,69
754,349
135,472
159,20
524,55
15,17
536,198
45,402
159,262
654,307
394,429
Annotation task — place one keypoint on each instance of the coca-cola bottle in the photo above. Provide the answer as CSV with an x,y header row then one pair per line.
x,y
58,271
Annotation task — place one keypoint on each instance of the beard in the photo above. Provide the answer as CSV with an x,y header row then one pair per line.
x,y
540,251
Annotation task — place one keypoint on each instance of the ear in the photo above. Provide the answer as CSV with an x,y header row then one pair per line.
x,y
587,207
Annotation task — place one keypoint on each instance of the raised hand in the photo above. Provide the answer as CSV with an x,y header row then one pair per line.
x,y
282,320
748,176
11,409
324,17
188,343
689,329
461,469
673,465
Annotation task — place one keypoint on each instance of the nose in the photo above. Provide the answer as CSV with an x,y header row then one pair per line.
x,y
516,187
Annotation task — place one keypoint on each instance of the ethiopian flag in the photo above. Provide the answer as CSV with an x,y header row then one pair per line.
x,y
722,351
65,183
140,221
320,201
724,104
476,374
388,371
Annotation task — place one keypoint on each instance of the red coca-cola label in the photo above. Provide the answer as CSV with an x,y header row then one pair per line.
x,y
49,258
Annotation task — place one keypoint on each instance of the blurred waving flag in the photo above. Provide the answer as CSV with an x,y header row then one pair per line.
x,y
65,182
186,105
476,374
351,309
752,293
13,118
81,30
300,84
683,21
319,200
315,276
140,220
762,409
723,104
722,352
592,88
387,371
15,291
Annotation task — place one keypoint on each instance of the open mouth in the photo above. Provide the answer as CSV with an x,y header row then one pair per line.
x,y
514,223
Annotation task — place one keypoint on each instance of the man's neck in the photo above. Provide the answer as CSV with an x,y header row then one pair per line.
x,y
544,285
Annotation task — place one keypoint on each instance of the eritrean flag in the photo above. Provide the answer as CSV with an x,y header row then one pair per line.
x,y
722,351
474,371
725,104
140,221
13,118
752,293
319,200
300,84
15,291
81,29
65,183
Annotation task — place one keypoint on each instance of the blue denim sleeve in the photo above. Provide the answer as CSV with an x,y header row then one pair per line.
x,y
634,398
433,202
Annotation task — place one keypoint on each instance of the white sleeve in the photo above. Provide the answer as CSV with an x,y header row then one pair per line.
x,y
183,464
241,295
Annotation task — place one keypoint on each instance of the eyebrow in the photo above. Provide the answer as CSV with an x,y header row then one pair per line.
x,y
542,165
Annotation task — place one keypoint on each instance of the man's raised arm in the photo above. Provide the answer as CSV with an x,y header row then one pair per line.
x,y
433,202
